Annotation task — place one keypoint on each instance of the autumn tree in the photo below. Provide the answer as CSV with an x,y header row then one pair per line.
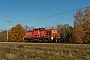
x,y
17,33
64,33
86,25
78,27
58,27
69,32
81,32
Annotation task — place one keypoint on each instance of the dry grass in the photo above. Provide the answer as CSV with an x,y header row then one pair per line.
x,y
43,52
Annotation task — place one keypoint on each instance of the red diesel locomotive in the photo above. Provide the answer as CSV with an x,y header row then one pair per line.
x,y
41,35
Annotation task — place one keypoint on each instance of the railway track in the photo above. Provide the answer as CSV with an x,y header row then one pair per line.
x,y
45,43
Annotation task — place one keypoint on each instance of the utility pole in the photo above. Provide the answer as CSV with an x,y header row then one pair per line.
x,y
7,28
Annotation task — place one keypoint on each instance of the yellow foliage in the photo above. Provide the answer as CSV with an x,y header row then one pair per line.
x,y
17,33
82,26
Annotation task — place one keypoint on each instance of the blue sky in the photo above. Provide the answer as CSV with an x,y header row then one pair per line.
x,y
28,12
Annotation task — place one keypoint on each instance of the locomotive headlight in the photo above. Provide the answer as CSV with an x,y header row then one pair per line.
x,y
51,38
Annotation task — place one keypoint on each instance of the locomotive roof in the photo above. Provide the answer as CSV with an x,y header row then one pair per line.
x,y
41,29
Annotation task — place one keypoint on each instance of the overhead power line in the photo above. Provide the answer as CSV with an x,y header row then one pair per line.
x,y
21,7
15,4
50,15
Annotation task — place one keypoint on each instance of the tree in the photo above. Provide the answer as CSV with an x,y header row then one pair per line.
x,y
17,34
3,35
78,28
69,32
64,33
50,27
81,32
86,25
58,27
27,28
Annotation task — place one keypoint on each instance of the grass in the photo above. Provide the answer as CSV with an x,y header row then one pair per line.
x,y
43,52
